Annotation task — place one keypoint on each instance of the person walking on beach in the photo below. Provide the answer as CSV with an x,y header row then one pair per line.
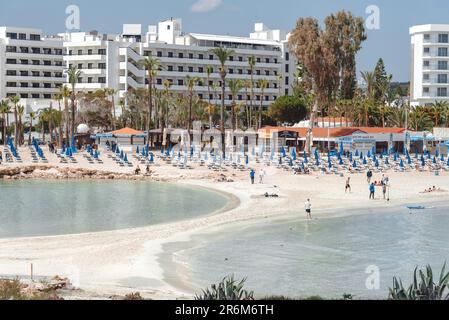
x,y
372,190
308,208
261,175
348,185
252,175
369,175
384,190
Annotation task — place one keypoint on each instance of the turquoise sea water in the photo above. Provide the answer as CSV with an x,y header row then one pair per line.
x,y
42,208
327,257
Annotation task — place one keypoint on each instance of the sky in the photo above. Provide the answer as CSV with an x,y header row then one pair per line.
x,y
237,17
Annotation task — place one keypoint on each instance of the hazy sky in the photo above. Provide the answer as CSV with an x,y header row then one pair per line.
x,y
236,17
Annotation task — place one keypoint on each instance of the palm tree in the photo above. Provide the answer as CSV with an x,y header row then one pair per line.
x,y
58,97
15,101
190,83
4,110
111,93
73,74
223,55
369,78
65,94
32,117
209,71
263,84
437,110
247,86
252,64
20,114
151,65
235,86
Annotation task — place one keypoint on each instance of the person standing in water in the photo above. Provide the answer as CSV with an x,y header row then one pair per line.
x,y
308,208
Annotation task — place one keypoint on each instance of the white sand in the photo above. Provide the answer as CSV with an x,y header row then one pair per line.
x,y
124,261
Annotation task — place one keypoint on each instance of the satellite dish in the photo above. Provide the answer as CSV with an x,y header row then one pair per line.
x,y
82,129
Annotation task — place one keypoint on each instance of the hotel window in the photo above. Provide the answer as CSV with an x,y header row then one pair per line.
x,y
90,66
11,84
267,60
58,63
102,52
426,90
102,66
258,60
267,72
442,78
36,50
442,65
287,81
80,66
231,58
24,50
22,36
181,55
426,77
190,69
169,68
201,56
24,84
240,59
442,52
47,96
35,73
427,37
180,82
58,74
158,81
35,37
24,73
58,52
11,72
47,63
36,85
47,74
426,50
442,92
101,80
426,63
231,71
443,38
200,96
287,56
24,95
36,63
211,57
47,85
80,52
47,50
11,35
89,52
170,54
24,61
11,49
275,60
159,54
190,55
200,69
240,71
240,97
35,96
11,61
180,69
89,80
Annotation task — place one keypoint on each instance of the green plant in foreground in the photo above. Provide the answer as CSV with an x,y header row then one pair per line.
x,y
423,287
228,289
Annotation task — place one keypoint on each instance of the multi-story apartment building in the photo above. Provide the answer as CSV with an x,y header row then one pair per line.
x,y
31,65
112,61
429,64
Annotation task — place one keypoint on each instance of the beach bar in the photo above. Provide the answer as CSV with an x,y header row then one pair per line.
x,y
128,139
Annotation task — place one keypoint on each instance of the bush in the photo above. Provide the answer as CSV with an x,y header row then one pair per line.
x,y
228,289
11,290
423,286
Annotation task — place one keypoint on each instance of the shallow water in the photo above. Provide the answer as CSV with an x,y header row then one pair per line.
x,y
327,257
42,208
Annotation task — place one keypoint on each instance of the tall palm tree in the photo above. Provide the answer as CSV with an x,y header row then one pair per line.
x,y
369,77
252,64
191,82
247,86
223,55
15,102
73,74
20,114
234,86
262,84
109,92
4,110
32,117
209,71
58,97
65,94
151,65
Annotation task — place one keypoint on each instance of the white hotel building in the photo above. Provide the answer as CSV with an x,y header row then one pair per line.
x,y
31,66
112,61
429,64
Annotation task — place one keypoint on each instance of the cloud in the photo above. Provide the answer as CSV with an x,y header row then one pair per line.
x,y
205,5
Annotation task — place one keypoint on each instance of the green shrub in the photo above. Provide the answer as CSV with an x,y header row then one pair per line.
x,y
228,289
423,286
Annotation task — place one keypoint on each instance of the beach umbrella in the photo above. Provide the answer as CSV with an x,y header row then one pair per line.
x,y
151,157
437,153
448,161
330,163
316,155
126,158
423,162
294,154
317,162
428,154
387,162
356,153
284,154
137,150
361,155
377,163
409,160
401,164
117,150
374,158
96,155
395,157
67,152
341,148
442,158
373,150
341,161
354,165
364,161
416,155
434,161
381,156
369,154
291,163
122,155
350,157
247,160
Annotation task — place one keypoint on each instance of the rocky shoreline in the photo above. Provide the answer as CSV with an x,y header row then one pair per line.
x,y
57,173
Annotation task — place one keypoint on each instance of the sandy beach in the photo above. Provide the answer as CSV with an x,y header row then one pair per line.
x,y
132,260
